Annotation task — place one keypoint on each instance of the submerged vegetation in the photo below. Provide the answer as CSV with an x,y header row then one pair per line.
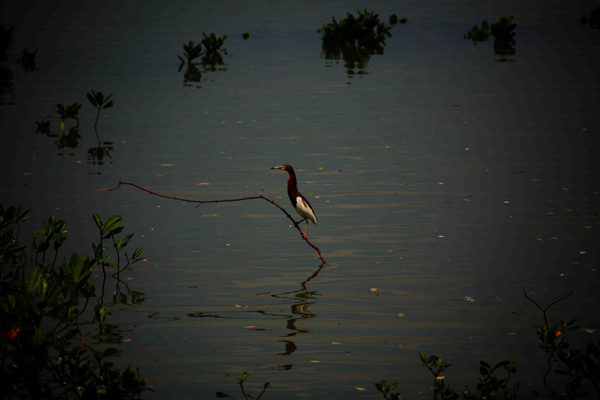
x,y
46,321
356,39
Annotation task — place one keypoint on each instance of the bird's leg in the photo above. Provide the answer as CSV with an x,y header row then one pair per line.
x,y
305,229
298,223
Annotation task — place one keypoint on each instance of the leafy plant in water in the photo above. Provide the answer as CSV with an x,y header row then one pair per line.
x,y
66,112
101,102
46,323
479,34
503,29
366,30
109,230
491,387
386,389
191,52
580,364
27,60
213,43
243,378
437,367
355,39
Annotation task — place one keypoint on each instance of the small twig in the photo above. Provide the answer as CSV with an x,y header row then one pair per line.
x,y
228,201
552,302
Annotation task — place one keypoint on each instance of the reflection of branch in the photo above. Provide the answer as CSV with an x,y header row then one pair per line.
x,y
313,275
226,201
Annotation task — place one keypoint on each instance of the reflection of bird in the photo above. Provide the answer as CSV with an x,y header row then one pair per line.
x,y
302,206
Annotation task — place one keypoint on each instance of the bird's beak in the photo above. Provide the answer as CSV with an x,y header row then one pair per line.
x,y
278,167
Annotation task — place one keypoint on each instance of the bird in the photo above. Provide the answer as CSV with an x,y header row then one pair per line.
x,y
301,205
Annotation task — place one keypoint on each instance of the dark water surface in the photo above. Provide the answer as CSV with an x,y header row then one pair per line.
x,y
444,181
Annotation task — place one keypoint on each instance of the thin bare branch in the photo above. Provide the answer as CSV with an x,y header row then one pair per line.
x,y
228,201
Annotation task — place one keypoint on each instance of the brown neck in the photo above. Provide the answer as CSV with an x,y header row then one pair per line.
x,y
292,185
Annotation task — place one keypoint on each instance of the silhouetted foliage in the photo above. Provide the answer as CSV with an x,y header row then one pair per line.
x,y
45,317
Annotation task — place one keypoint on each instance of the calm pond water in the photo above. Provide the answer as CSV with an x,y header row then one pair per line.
x,y
444,179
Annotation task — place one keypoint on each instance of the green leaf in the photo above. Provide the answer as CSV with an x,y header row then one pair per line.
x,y
92,99
123,242
112,223
39,337
244,376
72,313
109,104
136,253
98,222
101,314
43,288
34,279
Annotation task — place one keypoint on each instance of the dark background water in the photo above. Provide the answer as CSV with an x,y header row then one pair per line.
x,y
443,178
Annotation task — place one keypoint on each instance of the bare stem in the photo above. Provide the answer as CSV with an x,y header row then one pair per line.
x,y
228,201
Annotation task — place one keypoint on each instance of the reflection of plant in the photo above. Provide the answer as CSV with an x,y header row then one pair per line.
x,y
240,382
27,60
6,41
96,154
101,102
46,322
70,140
43,127
191,52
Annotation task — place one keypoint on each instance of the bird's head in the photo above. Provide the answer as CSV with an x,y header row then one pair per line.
x,y
286,167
